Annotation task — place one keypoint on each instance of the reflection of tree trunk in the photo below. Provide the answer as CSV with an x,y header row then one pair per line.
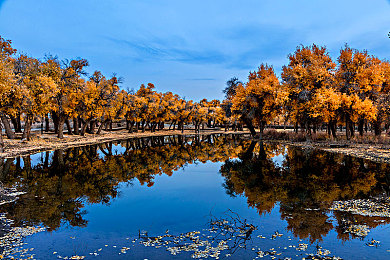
x,y
4,168
46,162
27,165
109,148
101,148
7,127
248,154
18,167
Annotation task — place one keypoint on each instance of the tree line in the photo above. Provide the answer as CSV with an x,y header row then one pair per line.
x,y
61,91
314,91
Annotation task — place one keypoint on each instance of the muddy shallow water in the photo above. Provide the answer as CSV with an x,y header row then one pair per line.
x,y
179,197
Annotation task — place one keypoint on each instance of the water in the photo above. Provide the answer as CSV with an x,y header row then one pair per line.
x,y
111,201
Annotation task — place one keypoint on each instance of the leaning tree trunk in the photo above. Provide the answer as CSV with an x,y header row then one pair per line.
x,y
250,126
101,127
84,127
8,129
68,127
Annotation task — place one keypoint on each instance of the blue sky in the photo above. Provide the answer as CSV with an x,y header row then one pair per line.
x,y
191,47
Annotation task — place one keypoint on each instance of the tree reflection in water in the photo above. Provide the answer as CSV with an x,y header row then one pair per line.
x,y
58,187
305,183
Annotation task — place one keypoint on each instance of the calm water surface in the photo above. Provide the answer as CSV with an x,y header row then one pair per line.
x,y
110,201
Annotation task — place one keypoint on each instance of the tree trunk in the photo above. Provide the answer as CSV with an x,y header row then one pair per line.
x,y
261,126
130,126
27,128
76,129
60,128
92,125
333,129
101,127
47,123
361,127
7,127
250,126
68,127
56,122
347,128
84,127
352,128
377,127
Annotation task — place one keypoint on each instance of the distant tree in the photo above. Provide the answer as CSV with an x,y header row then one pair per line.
x,y
231,87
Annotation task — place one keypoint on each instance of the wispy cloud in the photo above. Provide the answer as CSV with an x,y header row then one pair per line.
x,y
260,44
161,49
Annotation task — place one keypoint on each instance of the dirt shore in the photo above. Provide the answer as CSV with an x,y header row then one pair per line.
x,y
374,152
49,142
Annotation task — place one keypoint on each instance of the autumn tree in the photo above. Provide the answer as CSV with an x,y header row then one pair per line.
x,y
259,100
310,70
37,88
359,78
7,82
67,76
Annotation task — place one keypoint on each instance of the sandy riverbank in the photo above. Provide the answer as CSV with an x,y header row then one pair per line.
x,y
374,152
